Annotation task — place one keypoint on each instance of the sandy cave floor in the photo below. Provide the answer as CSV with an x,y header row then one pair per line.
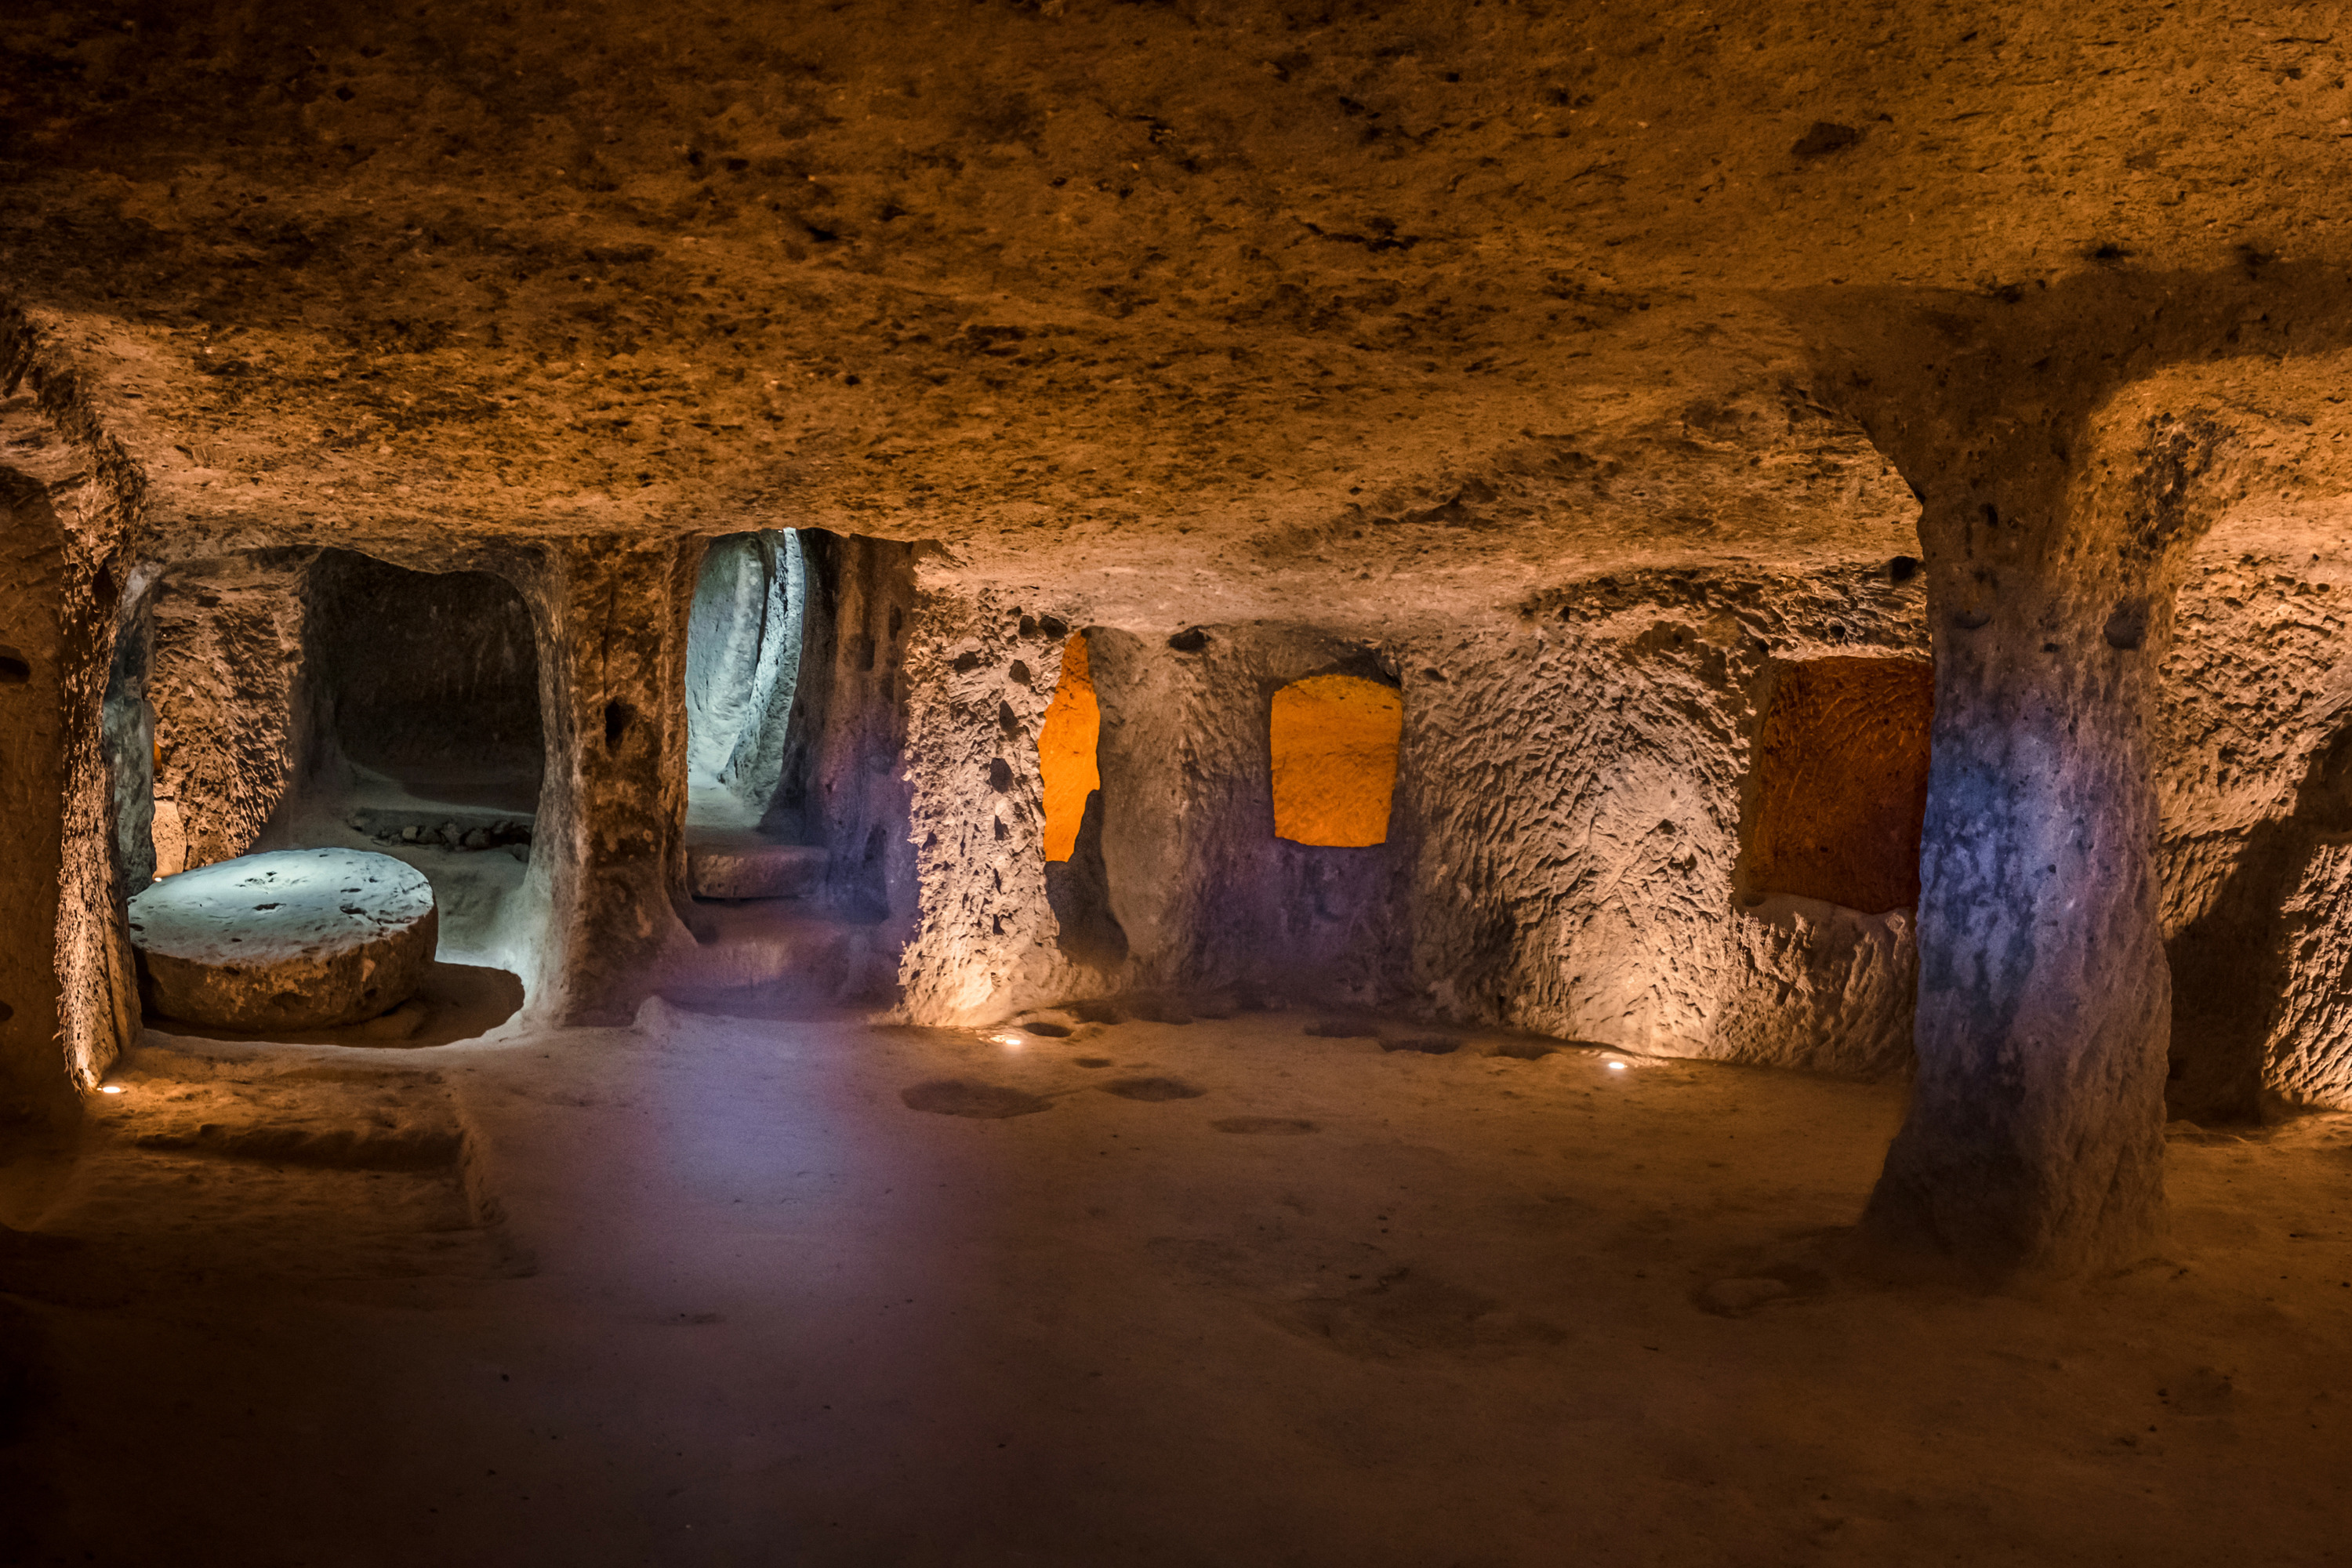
x,y
707,1289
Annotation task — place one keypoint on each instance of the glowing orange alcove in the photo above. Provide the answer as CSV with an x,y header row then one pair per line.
x,y
1066,750
1842,782
1334,759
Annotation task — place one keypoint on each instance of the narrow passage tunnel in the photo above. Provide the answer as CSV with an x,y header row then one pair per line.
x,y
742,673
795,834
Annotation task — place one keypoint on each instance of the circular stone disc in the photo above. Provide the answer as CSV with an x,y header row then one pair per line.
x,y
296,939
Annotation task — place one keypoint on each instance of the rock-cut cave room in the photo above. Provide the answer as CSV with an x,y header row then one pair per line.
x,y
1089,782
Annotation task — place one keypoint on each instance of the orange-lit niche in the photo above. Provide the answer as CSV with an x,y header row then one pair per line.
x,y
1066,750
1842,782
1334,759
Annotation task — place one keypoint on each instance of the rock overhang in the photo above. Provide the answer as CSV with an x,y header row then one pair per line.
x,y
1086,276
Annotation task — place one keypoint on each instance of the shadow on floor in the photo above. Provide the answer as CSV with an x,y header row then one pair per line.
x,y
457,1001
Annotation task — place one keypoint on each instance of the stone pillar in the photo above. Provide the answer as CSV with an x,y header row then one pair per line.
x,y
2034,1140
608,853
843,781
69,997
37,657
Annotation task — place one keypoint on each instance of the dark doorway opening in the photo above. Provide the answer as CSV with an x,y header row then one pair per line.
x,y
745,838
293,699
426,684
799,874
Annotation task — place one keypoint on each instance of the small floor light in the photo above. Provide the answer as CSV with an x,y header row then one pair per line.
x,y
109,1088
1616,1066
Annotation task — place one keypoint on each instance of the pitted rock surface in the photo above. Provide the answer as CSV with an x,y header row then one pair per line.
x,y
296,939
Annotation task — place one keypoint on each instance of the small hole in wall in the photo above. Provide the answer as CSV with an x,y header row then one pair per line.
x,y
7,1012
618,717
14,670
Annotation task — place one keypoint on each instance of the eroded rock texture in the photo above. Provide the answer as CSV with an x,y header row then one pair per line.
x,y
222,684
1208,897
981,675
2055,544
1579,778
1818,988
2254,798
2307,1045
70,496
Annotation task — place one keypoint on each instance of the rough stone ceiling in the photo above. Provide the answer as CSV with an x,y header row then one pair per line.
x,y
1414,296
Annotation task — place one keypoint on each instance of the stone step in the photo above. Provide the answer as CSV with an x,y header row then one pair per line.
x,y
737,946
733,864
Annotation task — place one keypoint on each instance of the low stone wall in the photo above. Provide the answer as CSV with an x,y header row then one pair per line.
x,y
1818,988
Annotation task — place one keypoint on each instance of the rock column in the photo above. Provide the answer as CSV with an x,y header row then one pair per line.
x,y
67,996
612,618
2033,1145
37,653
